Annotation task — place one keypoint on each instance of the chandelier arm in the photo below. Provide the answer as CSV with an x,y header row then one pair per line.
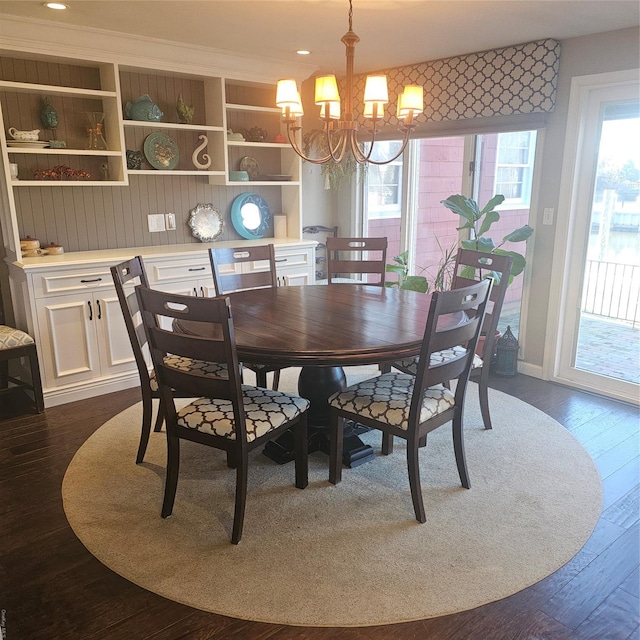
x,y
402,148
337,152
356,150
296,147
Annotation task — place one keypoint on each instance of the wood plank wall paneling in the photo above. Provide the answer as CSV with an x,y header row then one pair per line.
x,y
93,218
39,72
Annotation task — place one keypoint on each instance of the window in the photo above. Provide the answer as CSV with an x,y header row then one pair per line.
x,y
384,193
514,166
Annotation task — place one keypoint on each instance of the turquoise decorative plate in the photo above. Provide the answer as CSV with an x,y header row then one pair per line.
x,y
250,216
161,151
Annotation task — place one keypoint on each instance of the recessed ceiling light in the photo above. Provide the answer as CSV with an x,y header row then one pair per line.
x,y
59,6
303,52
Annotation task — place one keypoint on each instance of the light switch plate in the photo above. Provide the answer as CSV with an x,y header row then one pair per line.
x,y
171,221
156,222
547,216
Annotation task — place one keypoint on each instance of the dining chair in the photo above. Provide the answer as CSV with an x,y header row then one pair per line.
x,y
354,256
320,232
229,277
472,266
411,406
125,276
225,414
15,345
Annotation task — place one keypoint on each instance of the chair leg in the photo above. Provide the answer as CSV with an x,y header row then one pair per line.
x,y
4,374
384,367
171,481
387,443
336,427
276,379
231,459
301,453
414,480
483,391
36,381
241,495
261,378
458,448
159,418
147,410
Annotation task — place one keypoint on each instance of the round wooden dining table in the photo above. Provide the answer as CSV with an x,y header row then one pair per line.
x,y
323,328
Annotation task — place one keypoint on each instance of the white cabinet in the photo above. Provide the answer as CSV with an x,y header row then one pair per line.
x,y
70,306
81,334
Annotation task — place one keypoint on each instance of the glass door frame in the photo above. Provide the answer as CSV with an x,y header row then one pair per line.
x,y
588,96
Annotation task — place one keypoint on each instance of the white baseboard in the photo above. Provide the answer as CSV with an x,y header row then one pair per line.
x,y
55,397
533,370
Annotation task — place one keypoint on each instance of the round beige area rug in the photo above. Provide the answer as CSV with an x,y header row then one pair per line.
x,y
349,555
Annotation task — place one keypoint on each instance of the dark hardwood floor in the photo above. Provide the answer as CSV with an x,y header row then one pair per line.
x,y
51,587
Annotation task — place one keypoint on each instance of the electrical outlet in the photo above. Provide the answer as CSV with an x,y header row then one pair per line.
x,y
156,222
171,221
547,216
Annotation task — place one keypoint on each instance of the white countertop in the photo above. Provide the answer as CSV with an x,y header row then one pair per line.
x,y
76,258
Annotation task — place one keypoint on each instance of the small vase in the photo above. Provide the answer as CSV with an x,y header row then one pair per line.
x,y
48,114
95,139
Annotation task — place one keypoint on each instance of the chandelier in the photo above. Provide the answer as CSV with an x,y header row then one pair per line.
x,y
340,127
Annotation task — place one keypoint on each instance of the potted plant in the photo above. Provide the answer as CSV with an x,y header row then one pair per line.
x,y
335,174
439,282
479,221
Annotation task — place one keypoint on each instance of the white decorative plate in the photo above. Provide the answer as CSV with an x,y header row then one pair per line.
x,y
251,166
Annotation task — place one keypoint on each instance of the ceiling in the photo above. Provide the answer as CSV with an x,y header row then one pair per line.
x,y
392,32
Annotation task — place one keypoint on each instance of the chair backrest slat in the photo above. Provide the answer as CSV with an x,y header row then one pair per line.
x,y
219,346
484,264
234,258
132,272
353,255
454,320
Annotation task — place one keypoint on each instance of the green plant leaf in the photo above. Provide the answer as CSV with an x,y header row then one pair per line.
x,y
519,262
492,204
415,283
519,235
489,219
395,268
464,207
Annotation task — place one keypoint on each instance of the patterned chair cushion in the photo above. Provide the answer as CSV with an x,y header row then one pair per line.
x,y
11,338
387,398
265,410
188,364
410,365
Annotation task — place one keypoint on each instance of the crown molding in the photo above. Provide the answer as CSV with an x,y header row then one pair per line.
x,y
42,37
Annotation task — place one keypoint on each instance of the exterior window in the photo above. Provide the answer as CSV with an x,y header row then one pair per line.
x,y
384,182
514,166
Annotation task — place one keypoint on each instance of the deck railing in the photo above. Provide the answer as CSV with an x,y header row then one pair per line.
x,y
612,290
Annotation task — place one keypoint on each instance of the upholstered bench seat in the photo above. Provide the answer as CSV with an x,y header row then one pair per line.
x,y
11,338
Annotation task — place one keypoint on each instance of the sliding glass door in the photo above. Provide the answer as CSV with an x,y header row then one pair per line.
x,y
600,346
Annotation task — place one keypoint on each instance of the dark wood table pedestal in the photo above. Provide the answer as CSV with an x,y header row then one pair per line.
x,y
317,384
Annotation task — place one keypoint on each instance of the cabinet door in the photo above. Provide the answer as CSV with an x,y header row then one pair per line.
x,y
294,265
116,355
67,339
